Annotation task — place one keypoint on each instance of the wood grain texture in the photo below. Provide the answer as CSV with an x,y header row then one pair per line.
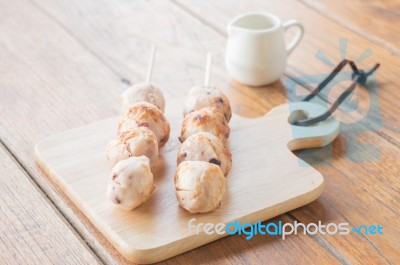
x,y
46,73
75,58
31,231
376,182
266,179
322,37
376,20
66,85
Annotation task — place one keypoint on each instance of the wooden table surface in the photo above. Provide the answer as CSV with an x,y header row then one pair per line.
x,y
64,63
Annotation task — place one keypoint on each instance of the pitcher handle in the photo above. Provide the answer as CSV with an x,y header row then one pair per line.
x,y
297,37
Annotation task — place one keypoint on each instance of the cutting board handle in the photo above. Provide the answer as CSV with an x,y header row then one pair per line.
x,y
314,136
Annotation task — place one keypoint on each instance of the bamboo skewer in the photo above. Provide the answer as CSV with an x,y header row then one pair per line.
x,y
208,69
151,64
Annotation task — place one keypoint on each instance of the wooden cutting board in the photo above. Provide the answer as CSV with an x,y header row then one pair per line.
x,y
266,179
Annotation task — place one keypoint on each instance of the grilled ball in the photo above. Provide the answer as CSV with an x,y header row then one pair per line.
x,y
204,96
199,186
131,182
204,146
205,120
144,114
136,142
142,92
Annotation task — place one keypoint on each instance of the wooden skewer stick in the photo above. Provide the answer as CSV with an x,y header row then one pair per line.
x,y
208,69
151,63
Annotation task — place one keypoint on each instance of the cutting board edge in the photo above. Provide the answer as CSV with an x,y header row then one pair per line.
x,y
149,256
166,251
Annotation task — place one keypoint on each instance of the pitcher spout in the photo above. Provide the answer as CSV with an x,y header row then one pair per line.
x,y
254,23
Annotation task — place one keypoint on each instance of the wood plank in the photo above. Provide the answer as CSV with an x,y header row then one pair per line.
x,y
65,85
372,184
31,230
260,101
115,51
260,249
265,180
376,20
319,37
50,83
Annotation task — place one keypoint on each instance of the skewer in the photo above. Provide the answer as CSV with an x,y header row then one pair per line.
x,y
151,63
208,69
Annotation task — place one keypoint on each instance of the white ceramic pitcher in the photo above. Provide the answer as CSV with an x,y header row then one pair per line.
x,y
256,52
